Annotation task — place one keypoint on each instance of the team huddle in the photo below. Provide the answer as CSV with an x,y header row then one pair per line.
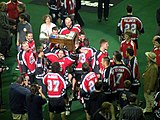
x,y
66,75
86,74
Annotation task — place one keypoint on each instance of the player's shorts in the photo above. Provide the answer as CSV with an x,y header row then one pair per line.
x,y
56,105
77,76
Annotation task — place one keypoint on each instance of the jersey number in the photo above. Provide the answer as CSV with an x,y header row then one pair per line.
x,y
91,86
131,27
82,58
118,78
53,85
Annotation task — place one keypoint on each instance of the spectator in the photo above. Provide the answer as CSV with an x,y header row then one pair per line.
x,y
5,28
35,103
96,99
54,32
106,112
22,9
47,25
17,99
13,15
22,29
105,10
150,77
12,9
158,21
132,111
132,23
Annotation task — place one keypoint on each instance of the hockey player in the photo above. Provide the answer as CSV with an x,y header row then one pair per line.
x,y
118,74
102,52
56,89
27,62
87,85
132,23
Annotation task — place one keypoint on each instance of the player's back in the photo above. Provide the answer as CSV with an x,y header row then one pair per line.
x,y
132,23
119,73
84,56
55,84
88,82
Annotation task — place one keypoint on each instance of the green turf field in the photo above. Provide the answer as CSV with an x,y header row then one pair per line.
x,y
144,9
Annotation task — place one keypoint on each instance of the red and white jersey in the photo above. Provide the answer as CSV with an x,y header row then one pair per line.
x,y
131,23
70,6
12,9
31,45
133,65
118,74
55,85
125,45
65,30
64,63
88,82
52,57
29,60
97,65
86,55
157,52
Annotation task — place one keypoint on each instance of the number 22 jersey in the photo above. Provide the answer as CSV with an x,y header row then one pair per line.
x,y
132,23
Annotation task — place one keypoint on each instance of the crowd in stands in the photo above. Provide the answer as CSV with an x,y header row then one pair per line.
x,y
52,74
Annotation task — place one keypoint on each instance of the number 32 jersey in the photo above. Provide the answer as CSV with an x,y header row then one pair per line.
x,y
55,85
132,23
